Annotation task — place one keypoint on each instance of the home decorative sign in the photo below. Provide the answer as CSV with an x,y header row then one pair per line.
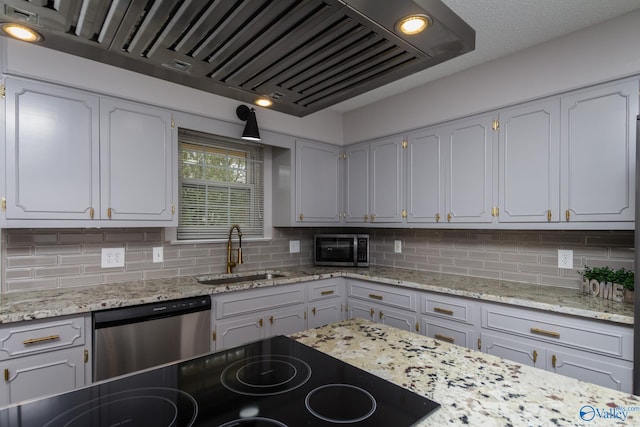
x,y
606,290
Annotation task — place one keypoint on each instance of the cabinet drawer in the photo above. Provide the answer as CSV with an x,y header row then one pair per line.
x,y
447,308
325,289
387,295
451,333
251,301
34,337
610,339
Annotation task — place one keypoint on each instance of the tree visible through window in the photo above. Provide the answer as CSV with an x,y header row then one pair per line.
x,y
221,183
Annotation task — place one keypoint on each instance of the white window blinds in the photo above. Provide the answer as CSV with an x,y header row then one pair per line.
x,y
221,184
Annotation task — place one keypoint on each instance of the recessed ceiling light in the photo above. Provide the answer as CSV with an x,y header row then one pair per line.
x,y
264,102
413,24
21,32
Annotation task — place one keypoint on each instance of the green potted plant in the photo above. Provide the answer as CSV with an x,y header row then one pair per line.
x,y
620,279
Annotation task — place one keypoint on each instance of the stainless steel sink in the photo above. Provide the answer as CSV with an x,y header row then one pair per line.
x,y
238,279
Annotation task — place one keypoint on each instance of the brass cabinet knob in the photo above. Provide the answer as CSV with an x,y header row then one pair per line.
x,y
549,215
366,217
449,216
437,217
535,356
373,216
313,310
301,217
372,312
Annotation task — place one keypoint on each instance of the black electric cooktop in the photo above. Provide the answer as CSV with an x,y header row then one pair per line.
x,y
274,382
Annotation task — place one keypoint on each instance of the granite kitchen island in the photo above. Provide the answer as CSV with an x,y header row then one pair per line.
x,y
472,388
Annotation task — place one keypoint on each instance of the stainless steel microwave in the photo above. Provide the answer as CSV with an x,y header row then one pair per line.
x,y
343,250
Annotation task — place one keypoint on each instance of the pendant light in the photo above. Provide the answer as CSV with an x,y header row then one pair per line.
x,y
248,115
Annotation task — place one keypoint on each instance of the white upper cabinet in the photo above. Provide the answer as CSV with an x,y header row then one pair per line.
x,y
598,150
318,187
136,161
468,170
77,160
425,175
529,162
52,152
374,182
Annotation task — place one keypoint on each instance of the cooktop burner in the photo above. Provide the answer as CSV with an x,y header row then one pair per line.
x,y
276,382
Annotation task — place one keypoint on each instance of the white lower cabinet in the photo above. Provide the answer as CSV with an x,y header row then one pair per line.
x,y
326,302
44,357
401,319
451,319
585,349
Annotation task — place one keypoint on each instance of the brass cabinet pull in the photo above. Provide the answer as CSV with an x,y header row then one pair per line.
x,y
91,213
301,217
109,213
372,312
374,296
549,215
405,144
443,311
41,339
260,322
567,215
214,335
381,314
535,356
271,320
545,333
326,293
479,344
86,356
366,217
305,315
437,217
373,216
173,209
313,310
417,326
449,216
554,360
6,375
444,338
404,213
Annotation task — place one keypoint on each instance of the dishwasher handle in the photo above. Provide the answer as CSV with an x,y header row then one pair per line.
x,y
144,312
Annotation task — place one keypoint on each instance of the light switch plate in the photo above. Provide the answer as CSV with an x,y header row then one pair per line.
x,y
397,246
294,246
158,254
565,258
112,257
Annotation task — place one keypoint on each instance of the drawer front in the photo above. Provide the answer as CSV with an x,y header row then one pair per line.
x,y
325,289
387,295
35,337
447,308
451,333
255,300
610,339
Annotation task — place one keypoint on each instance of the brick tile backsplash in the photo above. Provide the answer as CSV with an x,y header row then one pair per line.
x,y
54,258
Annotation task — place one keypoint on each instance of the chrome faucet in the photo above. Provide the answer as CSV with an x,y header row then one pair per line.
x,y
230,262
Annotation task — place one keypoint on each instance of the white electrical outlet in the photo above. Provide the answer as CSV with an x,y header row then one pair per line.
x,y
158,254
294,246
397,246
565,258
112,257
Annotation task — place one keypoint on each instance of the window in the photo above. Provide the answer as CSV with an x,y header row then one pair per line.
x,y
221,184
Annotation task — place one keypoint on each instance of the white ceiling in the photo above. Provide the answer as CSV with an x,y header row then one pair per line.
x,y
503,27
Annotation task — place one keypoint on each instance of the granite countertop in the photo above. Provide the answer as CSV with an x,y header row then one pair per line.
x,y
20,306
472,388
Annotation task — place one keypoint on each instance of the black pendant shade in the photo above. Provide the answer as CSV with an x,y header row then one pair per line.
x,y
251,131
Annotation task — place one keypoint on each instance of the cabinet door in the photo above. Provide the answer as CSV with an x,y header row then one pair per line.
x,y
584,366
137,162
52,152
287,320
404,320
317,182
598,144
325,311
524,352
529,168
469,180
44,374
425,176
357,183
386,181
239,330
451,332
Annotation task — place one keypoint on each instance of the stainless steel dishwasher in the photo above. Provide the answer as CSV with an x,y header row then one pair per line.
x,y
128,339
